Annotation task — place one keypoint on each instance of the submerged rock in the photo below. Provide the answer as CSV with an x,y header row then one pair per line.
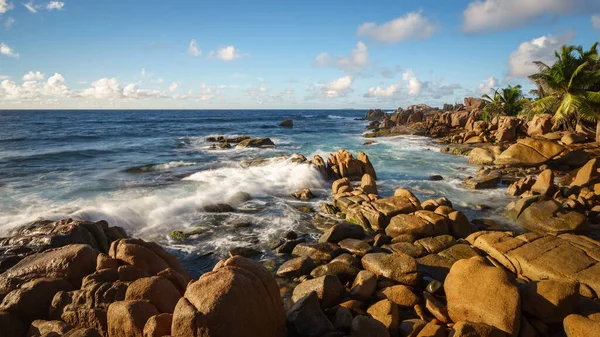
x,y
288,123
256,142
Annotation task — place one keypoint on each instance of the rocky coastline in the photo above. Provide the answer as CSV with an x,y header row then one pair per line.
x,y
382,266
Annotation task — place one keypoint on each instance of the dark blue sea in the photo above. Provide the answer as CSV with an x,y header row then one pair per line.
x,y
151,171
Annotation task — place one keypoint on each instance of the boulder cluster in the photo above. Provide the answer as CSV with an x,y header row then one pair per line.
x,y
86,279
401,267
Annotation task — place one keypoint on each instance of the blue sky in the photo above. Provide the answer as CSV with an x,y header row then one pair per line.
x,y
276,54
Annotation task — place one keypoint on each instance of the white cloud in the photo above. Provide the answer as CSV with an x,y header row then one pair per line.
x,y
382,92
193,48
34,90
596,21
131,91
30,7
520,63
9,23
158,80
413,84
228,53
410,26
6,50
359,58
288,92
337,88
490,15
32,76
5,6
485,87
174,86
104,88
55,5
207,93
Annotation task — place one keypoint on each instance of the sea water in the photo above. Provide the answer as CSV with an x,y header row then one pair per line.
x,y
151,172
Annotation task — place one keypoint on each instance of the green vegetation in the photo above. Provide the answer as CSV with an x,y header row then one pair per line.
x,y
508,101
569,89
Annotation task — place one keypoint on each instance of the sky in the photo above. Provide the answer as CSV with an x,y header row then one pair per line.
x,y
263,54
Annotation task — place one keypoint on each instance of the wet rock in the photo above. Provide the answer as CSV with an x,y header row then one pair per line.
x,y
396,267
239,198
550,300
329,290
128,318
365,326
386,312
288,246
467,287
304,194
158,326
288,123
307,318
156,290
234,283
434,286
401,295
484,180
364,285
217,208
296,267
256,142
244,251
436,178
319,252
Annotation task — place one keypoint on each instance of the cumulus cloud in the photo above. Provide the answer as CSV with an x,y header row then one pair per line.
x,y
32,76
491,15
485,87
382,91
5,6
228,53
55,5
131,91
33,89
410,26
6,50
520,62
104,88
358,58
193,48
174,86
339,87
596,21
413,84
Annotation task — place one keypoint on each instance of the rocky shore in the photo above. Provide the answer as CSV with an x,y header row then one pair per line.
x,y
382,266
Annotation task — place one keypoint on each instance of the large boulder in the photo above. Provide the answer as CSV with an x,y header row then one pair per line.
x,y
588,174
479,293
580,326
307,318
156,290
530,152
128,318
239,283
375,115
329,290
147,256
397,267
484,180
547,217
459,118
550,300
540,125
256,142
71,262
507,129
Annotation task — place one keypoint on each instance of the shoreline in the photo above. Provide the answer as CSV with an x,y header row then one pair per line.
x,y
395,266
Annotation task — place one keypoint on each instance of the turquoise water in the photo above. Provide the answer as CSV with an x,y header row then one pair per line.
x,y
151,171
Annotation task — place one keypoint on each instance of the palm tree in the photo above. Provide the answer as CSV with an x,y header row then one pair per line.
x,y
569,87
508,101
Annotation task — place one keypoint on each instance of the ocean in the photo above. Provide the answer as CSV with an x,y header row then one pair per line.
x,y
151,172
